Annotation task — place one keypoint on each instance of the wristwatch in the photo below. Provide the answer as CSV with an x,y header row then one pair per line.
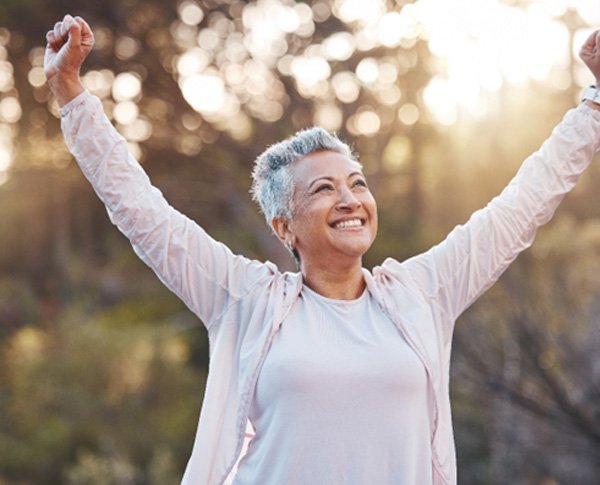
x,y
592,93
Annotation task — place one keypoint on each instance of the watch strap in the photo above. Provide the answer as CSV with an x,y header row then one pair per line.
x,y
592,93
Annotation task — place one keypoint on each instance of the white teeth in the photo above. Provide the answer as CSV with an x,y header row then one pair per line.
x,y
351,223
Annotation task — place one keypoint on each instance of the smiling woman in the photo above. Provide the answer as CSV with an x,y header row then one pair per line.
x,y
334,218
332,374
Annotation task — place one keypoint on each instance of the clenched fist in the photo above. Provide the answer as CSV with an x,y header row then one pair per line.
x,y
68,44
590,54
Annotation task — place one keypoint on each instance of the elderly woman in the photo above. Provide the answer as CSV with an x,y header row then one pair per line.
x,y
334,374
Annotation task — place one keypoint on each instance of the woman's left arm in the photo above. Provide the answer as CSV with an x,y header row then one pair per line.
x,y
474,255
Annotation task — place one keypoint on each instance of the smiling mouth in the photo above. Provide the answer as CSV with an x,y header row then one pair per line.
x,y
351,223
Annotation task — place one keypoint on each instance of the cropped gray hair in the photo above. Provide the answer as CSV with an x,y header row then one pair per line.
x,y
272,184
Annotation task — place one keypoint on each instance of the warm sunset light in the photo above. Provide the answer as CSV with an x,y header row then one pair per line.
x,y
482,46
228,72
444,103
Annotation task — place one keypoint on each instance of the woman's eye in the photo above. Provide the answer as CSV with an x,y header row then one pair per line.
x,y
324,188
360,183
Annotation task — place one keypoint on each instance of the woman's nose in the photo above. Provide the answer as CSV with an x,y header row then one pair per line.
x,y
348,200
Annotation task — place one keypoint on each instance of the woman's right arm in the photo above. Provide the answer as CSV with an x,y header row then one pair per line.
x,y
200,270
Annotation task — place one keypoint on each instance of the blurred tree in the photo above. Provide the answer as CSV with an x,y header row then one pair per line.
x,y
528,350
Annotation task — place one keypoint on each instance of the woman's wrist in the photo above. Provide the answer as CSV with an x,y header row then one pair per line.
x,y
65,89
592,105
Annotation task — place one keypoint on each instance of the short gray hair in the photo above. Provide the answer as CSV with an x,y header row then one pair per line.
x,y
272,184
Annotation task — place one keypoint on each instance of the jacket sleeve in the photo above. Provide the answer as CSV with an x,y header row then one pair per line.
x,y
473,256
198,269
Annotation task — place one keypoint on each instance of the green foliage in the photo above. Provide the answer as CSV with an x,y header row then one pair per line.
x,y
89,402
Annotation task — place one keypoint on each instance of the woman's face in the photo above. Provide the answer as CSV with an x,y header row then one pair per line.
x,y
335,214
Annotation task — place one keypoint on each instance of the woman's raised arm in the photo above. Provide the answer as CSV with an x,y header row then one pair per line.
x,y
457,271
200,270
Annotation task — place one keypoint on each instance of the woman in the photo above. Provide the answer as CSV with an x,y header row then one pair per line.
x,y
334,374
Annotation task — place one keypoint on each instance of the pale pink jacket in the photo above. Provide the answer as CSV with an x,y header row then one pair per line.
x,y
243,302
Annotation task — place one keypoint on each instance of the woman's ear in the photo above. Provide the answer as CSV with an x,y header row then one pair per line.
x,y
280,226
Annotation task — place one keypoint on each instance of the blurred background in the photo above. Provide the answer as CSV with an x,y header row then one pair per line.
x,y
102,370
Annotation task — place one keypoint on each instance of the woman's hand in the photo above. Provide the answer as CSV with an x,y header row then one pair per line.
x,y
68,44
590,54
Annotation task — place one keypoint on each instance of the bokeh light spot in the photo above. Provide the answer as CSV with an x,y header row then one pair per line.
x,y
36,77
339,46
367,70
190,13
397,153
125,112
126,86
126,47
6,76
345,87
10,109
408,114
138,130
204,92
5,158
193,61
365,122
390,29
329,116
99,82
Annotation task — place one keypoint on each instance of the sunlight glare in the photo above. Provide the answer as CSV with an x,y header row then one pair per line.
x,y
340,46
589,11
5,159
358,10
390,31
204,92
310,70
485,42
287,19
439,102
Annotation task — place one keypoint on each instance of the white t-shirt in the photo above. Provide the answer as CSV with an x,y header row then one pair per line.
x,y
341,399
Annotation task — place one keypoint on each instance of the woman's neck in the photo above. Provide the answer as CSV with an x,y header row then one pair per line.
x,y
345,283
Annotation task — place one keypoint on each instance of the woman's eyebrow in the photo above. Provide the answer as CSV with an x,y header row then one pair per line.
x,y
330,179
